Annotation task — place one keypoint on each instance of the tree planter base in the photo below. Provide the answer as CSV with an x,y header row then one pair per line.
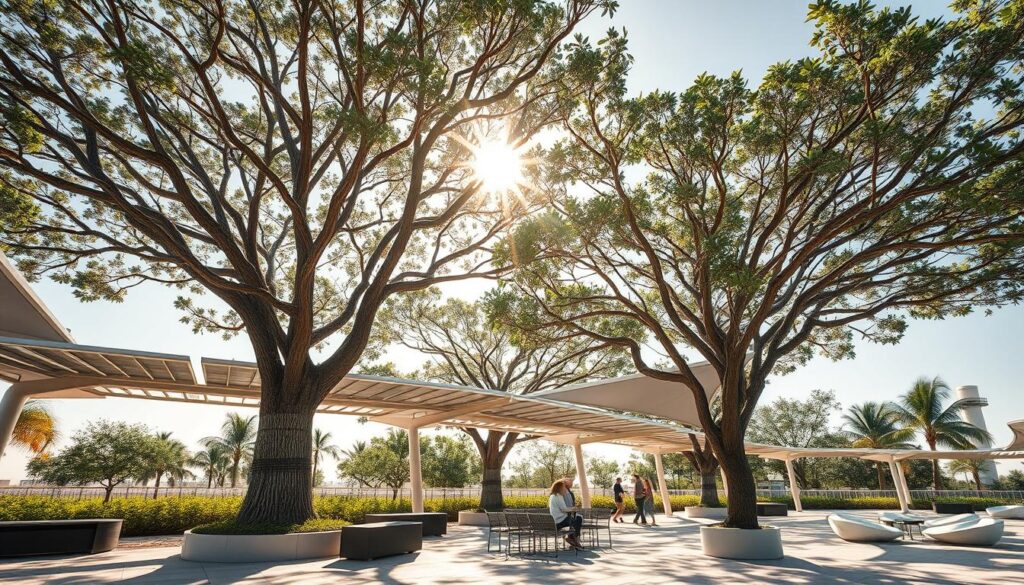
x,y
472,518
702,512
741,544
251,548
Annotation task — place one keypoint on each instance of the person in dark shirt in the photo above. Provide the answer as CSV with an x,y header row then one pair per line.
x,y
620,502
639,494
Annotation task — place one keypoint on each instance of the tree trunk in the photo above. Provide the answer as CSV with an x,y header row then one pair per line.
x,y
313,477
234,465
280,481
977,479
109,489
491,498
156,487
394,494
742,501
881,475
709,488
209,481
936,476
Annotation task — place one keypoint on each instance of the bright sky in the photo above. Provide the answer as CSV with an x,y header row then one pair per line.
x,y
673,41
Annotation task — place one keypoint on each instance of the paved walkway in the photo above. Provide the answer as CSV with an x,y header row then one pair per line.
x,y
651,556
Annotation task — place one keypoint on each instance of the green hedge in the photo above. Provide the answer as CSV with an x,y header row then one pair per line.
x,y
144,517
141,516
879,503
233,527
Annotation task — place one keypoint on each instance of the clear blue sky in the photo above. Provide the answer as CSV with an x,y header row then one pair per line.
x,y
673,41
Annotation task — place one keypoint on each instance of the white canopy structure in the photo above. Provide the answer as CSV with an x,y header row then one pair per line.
x,y
40,359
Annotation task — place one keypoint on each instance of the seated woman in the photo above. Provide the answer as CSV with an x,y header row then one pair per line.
x,y
563,514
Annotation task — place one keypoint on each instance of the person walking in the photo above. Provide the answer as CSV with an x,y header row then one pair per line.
x,y
620,501
649,500
639,494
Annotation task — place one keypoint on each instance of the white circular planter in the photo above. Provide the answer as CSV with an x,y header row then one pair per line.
x,y
701,512
742,544
250,548
472,518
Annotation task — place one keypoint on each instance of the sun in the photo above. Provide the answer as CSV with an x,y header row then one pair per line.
x,y
496,161
498,166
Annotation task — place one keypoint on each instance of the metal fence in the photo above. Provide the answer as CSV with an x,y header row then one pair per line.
x,y
468,492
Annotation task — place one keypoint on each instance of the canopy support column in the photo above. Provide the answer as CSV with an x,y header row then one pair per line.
x,y
896,483
662,484
581,470
10,407
415,471
903,485
794,489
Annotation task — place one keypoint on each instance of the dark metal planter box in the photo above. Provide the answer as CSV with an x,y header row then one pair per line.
x,y
434,523
58,537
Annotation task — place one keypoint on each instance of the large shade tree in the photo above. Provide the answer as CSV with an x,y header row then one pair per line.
x,y
300,161
464,348
879,180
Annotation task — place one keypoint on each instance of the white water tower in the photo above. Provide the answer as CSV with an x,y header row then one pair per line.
x,y
973,415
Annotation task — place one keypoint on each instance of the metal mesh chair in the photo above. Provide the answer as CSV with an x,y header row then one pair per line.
x,y
518,529
594,521
543,527
497,525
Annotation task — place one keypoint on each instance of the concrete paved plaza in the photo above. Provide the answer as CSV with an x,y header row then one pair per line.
x,y
667,554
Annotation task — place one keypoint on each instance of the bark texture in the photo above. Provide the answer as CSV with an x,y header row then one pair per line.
x,y
280,481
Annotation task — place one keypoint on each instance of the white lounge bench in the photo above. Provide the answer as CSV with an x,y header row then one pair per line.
x,y
857,529
982,532
957,519
1006,512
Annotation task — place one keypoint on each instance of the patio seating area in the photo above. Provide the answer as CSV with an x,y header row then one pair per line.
x,y
667,554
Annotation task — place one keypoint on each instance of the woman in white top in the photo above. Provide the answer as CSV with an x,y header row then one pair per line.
x,y
563,514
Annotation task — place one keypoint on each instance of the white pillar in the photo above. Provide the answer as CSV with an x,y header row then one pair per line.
x,y
10,407
794,489
662,484
581,470
415,471
897,484
725,482
903,485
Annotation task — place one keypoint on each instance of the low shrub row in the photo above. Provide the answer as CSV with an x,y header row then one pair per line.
x,y
175,515
232,527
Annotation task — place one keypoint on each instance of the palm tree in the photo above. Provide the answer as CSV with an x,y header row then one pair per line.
x,y
237,437
921,411
874,425
970,467
170,459
210,460
321,447
35,429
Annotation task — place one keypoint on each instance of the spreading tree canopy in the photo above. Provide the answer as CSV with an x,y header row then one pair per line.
x,y
880,179
463,347
299,161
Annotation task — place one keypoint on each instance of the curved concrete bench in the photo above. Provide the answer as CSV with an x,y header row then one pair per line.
x,y
856,529
251,548
1006,512
958,519
984,532
59,537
